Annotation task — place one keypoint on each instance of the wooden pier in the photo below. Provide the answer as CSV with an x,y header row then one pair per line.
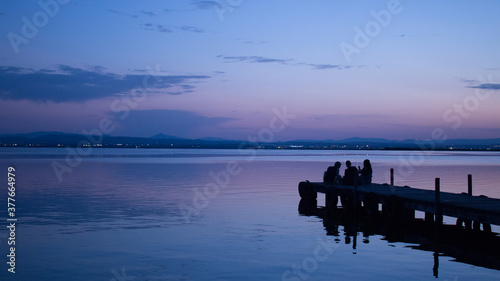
x,y
398,201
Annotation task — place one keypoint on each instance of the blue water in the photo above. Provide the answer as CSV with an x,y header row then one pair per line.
x,y
173,214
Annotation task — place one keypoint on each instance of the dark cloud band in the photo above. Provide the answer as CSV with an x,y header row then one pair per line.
x,y
487,86
69,84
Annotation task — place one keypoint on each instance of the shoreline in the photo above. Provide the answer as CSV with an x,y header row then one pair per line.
x,y
180,147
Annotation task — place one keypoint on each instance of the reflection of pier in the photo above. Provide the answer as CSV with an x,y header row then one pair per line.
x,y
475,247
401,202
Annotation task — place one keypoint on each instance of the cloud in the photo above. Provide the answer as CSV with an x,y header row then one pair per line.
x,y
328,66
157,27
487,86
94,68
260,59
69,84
192,29
256,42
148,13
206,5
164,29
468,81
332,66
170,122
135,15
113,11
254,59
181,89
122,14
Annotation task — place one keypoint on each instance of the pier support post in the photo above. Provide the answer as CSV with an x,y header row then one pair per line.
x,y
392,176
370,204
331,199
469,184
429,217
437,227
437,210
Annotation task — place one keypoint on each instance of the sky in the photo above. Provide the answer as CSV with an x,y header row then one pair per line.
x,y
252,69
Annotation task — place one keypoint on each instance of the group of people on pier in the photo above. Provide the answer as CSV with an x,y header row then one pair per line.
x,y
351,176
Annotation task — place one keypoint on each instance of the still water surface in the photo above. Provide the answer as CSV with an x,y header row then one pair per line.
x,y
170,214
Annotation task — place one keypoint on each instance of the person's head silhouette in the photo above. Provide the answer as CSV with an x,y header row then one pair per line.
x,y
348,163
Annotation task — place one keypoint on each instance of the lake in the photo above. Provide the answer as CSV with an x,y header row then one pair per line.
x,y
202,214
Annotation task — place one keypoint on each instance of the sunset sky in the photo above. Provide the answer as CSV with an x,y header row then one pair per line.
x,y
223,68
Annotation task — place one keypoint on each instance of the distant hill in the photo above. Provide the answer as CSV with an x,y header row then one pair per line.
x,y
162,136
35,134
380,143
58,139
365,140
214,139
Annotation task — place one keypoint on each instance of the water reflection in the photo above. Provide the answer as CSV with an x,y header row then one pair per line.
x,y
474,247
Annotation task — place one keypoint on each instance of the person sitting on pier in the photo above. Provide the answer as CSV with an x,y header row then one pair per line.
x,y
350,174
332,175
366,172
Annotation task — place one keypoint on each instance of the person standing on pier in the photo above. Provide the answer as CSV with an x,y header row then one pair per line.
x,y
366,172
350,174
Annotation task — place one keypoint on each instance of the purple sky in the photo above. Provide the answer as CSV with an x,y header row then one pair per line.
x,y
223,68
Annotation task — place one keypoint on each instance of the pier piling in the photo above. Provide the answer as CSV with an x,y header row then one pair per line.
x,y
392,176
437,192
469,182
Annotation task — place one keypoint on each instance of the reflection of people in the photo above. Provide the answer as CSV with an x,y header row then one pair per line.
x,y
332,175
366,172
350,174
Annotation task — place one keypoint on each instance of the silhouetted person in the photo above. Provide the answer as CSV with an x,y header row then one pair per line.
x,y
366,172
332,175
350,174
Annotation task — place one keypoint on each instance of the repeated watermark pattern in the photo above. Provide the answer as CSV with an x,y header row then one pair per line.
x,y
121,276
221,179
454,116
121,106
310,264
372,29
223,6
31,26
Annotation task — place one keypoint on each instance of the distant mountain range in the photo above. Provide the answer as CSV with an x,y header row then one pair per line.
x,y
59,139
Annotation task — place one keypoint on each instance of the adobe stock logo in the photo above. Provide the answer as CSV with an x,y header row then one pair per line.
x,y
221,7
363,37
40,18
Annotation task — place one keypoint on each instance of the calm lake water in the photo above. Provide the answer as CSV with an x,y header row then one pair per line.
x,y
171,214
